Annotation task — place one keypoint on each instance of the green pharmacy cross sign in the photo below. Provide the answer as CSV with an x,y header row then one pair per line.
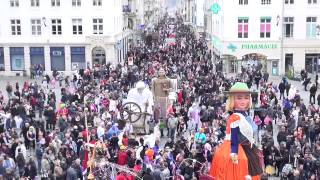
x,y
232,47
215,8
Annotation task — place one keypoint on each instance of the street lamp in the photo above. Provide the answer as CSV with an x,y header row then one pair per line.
x,y
278,20
44,20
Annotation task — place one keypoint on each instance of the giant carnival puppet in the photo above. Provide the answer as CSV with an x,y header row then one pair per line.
x,y
161,87
237,157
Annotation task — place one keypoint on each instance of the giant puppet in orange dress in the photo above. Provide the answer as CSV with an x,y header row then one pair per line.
x,y
237,157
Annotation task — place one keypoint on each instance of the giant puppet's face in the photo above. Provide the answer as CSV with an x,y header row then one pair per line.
x,y
241,101
161,72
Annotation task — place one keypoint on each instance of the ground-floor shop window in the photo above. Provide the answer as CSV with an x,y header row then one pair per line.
x,y
1,59
57,58
312,63
37,58
78,58
17,58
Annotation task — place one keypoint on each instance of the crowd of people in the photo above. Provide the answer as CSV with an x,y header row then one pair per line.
x,y
59,137
36,70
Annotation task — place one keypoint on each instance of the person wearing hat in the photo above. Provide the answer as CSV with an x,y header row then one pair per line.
x,y
237,157
122,156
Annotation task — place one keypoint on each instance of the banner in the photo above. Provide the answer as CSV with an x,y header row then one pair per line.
x,y
17,63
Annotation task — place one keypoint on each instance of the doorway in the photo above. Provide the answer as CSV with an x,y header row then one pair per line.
x,y
98,56
229,63
288,62
255,60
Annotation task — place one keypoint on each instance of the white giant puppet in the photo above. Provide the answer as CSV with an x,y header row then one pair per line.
x,y
141,95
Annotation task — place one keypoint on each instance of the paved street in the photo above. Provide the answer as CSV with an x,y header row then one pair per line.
x,y
20,80
114,45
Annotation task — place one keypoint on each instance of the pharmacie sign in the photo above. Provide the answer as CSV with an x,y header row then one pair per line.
x,y
259,46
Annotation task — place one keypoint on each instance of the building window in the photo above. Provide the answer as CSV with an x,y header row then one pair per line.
x,y
55,3
97,2
57,58
2,67
288,26
98,26
243,27
17,58
35,3
76,2
265,1
56,26
37,57
265,27
312,1
15,27
78,58
36,26
14,3
77,26
243,2
311,27
289,1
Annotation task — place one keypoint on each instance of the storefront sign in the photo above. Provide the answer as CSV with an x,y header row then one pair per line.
x,y
56,53
259,46
215,8
232,47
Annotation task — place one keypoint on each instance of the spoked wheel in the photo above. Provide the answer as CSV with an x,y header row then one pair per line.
x,y
131,112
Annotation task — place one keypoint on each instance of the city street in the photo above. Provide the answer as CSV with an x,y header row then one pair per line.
x,y
185,69
274,79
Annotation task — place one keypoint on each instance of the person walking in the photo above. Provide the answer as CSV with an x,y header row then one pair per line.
x,y
9,90
318,99
313,91
172,125
288,86
282,88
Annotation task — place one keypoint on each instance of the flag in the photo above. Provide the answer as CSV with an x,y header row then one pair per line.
x,y
85,162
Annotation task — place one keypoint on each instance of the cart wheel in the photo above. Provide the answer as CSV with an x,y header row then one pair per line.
x,y
130,111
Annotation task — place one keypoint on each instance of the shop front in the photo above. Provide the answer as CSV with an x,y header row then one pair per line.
x,y
312,63
57,58
37,56
262,55
1,59
78,58
98,56
17,58
302,55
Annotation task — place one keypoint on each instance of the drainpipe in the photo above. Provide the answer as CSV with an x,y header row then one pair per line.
x,y
281,39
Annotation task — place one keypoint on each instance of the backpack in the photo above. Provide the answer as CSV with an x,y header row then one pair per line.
x,y
287,105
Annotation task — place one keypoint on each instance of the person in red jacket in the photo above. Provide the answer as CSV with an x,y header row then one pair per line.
x,y
121,176
180,97
122,156
125,140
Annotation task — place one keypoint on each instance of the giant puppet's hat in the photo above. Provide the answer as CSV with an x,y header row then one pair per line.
x,y
239,87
